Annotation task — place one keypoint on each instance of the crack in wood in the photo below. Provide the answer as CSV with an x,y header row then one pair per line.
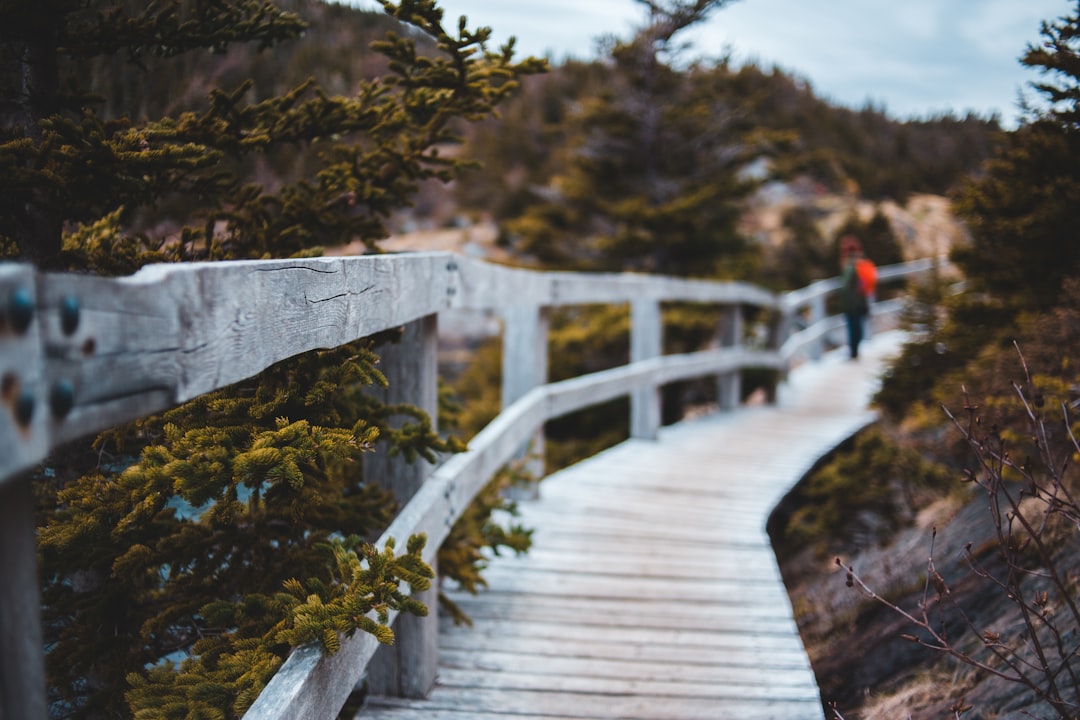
x,y
347,293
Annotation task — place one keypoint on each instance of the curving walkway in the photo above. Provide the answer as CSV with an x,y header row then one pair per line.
x,y
652,592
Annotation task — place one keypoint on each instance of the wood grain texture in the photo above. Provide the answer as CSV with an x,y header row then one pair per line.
x,y
652,591
170,333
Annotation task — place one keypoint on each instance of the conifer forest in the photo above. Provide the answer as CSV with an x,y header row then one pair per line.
x,y
183,555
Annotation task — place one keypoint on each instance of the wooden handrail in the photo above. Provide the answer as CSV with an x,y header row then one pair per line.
x,y
81,354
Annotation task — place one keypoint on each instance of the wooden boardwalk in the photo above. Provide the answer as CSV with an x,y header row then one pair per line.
x,y
652,592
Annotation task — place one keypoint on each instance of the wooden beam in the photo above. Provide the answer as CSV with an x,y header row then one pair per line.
x,y
646,339
22,658
407,668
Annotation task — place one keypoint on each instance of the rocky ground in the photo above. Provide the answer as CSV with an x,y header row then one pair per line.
x,y
864,665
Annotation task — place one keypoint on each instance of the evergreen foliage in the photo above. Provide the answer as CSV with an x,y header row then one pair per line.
x,y
1023,213
232,528
463,554
807,255
767,113
859,498
394,127
649,180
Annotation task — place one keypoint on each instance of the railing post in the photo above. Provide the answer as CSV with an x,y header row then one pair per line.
x,y
407,668
817,314
24,428
729,385
22,663
646,334
525,366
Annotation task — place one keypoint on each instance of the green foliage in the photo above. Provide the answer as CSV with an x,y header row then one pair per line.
x,y
804,257
862,496
582,340
1058,55
1022,212
462,557
233,659
232,495
735,112
648,177
477,391
1031,189
374,146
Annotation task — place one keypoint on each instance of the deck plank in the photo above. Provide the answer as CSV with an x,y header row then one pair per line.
x,y
652,591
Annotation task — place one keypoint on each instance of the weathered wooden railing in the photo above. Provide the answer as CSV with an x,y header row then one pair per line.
x,y
80,354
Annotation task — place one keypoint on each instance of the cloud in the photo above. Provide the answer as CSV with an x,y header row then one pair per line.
x,y
917,56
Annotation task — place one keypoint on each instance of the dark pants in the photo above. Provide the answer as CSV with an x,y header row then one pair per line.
x,y
855,322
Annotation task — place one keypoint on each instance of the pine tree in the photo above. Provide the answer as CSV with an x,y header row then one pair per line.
x,y
202,544
651,184
1024,213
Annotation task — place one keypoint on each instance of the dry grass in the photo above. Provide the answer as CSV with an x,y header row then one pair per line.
x,y
922,695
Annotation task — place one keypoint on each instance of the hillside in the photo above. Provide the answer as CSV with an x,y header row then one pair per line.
x,y
925,225
861,659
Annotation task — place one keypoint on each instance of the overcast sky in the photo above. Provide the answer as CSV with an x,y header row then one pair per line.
x,y
915,57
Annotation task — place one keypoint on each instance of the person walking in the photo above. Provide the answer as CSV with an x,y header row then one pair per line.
x,y
858,279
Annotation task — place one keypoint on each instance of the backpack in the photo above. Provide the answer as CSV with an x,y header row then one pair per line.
x,y
867,275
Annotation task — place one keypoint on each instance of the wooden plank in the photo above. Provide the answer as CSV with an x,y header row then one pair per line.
x,y
719,530
406,713
726,560
780,661
765,645
659,546
508,672
728,628
741,703
739,592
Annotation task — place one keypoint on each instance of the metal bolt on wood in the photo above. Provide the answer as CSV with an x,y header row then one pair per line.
x,y
20,310
69,314
62,399
24,408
